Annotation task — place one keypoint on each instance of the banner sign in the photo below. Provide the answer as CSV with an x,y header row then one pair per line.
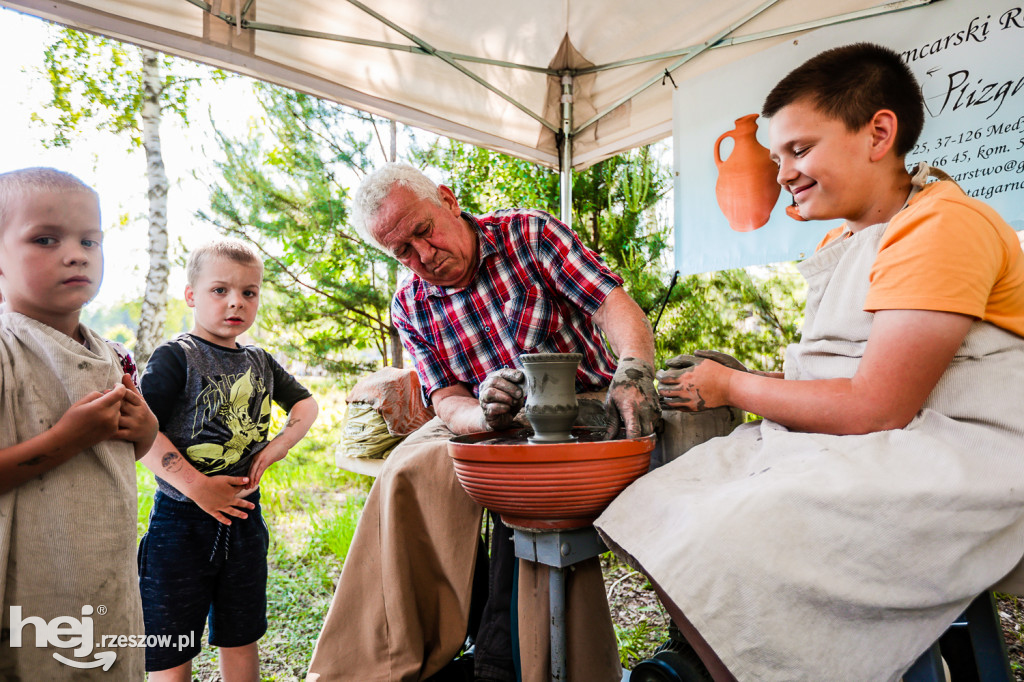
x,y
968,57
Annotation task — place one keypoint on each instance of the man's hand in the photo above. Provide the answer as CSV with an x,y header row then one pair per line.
x,y
218,496
263,459
502,395
631,395
137,423
693,384
94,418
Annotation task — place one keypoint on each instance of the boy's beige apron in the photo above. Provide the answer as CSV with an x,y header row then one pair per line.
x,y
68,537
804,556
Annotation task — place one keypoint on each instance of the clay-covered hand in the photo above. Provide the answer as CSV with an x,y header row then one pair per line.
x,y
632,397
693,384
502,395
684,362
721,358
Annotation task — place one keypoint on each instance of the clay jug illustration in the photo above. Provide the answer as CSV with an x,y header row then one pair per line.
x,y
746,187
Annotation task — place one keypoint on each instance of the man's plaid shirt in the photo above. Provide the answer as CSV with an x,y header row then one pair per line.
x,y
535,291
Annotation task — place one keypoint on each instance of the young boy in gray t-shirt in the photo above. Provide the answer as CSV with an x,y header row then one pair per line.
x,y
205,554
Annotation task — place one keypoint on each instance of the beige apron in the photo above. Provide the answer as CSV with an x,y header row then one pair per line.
x,y
67,537
402,605
803,556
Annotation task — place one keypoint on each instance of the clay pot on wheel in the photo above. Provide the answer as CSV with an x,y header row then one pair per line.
x,y
551,403
747,188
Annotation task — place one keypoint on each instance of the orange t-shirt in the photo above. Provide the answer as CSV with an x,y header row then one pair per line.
x,y
948,252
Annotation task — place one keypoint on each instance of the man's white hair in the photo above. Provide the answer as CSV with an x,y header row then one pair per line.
x,y
376,188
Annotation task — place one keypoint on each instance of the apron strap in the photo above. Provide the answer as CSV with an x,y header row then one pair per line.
x,y
921,173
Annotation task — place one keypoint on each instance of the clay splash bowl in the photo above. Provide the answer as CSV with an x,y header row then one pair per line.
x,y
547,486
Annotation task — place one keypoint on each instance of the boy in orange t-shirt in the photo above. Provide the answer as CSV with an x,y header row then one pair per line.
x,y
884,488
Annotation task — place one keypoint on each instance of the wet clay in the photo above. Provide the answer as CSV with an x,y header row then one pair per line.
x,y
524,436
633,394
551,406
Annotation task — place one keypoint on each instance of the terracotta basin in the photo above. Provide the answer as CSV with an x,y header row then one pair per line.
x,y
542,486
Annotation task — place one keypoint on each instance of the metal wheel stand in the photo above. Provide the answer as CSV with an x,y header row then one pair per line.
x,y
557,549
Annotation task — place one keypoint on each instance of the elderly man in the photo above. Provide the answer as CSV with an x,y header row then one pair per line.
x,y
483,291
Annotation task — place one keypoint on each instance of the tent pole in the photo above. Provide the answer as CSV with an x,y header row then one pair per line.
x,y
565,209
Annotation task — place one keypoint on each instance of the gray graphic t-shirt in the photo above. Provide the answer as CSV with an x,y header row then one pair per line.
x,y
213,403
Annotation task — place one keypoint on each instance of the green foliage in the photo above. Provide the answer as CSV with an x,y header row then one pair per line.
x,y
179,317
118,321
331,534
107,319
485,181
613,212
147,486
632,642
750,314
98,81
613,203
121,333
284,190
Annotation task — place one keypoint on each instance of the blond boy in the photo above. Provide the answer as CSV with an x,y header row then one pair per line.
x,y
73,423
205,553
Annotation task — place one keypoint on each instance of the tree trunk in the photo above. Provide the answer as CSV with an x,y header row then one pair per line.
x,y
154,302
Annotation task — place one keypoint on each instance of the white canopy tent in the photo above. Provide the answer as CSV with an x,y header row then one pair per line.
x,y
564,83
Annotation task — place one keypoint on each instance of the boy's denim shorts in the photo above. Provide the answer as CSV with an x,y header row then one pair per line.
x,y
193,568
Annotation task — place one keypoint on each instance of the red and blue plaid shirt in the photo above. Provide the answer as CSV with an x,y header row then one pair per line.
x,y
536,289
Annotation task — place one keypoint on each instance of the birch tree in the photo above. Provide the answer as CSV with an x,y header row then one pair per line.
x,y
101,84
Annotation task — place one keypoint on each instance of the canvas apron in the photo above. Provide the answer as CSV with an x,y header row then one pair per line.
x,y
401,608
802,556
67,537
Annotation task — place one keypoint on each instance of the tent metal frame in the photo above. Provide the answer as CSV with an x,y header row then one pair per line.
x,y
566,131
685,54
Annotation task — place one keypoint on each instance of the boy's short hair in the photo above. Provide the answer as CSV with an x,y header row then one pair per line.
x,y
232,249
851,84
14,184
376,187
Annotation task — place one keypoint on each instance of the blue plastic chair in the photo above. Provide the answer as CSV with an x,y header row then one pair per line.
x,y
973,648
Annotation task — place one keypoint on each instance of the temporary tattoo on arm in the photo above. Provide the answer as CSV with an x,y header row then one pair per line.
x,y
292,422
34,461
172,462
